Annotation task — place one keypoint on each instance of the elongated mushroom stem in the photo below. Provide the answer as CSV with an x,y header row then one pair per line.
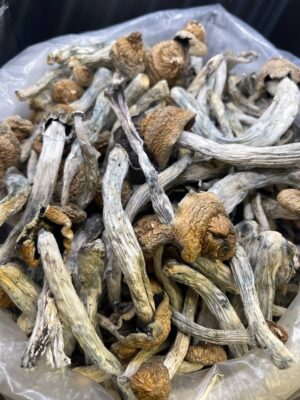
x,y
217,336
160,201
71,307
61,56
216,301
17,194
218,110
259,212
98,58
47,335
244,278
127,251
156,93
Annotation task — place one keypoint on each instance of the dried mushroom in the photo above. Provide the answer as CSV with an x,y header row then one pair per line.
x,y
194,34
21,127
83,75
66,91
10,150
289,199
206,354
278,68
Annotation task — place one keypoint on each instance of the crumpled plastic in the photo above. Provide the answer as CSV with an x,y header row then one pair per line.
x,y
252,377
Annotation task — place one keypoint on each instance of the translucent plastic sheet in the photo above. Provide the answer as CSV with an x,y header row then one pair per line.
x,y
249,378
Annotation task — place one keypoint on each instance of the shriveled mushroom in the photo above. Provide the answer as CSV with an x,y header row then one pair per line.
x,y
290,199
128,55
66,91
21,127
9,147
83,75
194,34
206,354
202,227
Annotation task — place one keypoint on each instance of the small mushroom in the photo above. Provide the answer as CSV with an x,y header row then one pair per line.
x,y
161,129
83,75
21,127
165,60
128,55
206,354
66,91
151,382
202,226
193,33
10,150
278,68
290,199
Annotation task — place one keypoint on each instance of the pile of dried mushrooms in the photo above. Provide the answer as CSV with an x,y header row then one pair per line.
x,y
153,202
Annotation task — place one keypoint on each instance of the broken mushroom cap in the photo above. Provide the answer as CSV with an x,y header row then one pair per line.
x,y
151,233
202,227
21,127
161,129
165,60
151,382
10,150
206,354
66,91
5,301
290,199
83,75
128,55
278,331
122,352
193,34
62,112
278,68
28,253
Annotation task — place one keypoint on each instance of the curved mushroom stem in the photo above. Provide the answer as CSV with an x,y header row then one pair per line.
x,y
61,56
121,236
98,58
259,212
161,204
234,188
180,347
31,166
43,83
244,277
216,336
71,307
106,323
92,372
275,211
17,193
172,290
216,301
218,109
269,128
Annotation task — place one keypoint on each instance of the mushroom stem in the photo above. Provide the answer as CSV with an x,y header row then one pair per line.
x,y
47,334
92,372
216,336
284,156
156,93
121,236
31,166
161,204
216,301
98,58
244,278
172,290
269,128
259,212
180,347
278,311
61,56
106,324
71,307
17,193
218,109
43,83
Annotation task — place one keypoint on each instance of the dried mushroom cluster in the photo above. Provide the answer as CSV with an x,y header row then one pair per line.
x,y
153,206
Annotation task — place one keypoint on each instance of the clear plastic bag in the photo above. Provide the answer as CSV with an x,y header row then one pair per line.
x,y
252,377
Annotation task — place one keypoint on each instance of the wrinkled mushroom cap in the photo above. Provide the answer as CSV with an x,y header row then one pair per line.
x,y
83,75
203,228
161,129
128,54
21,127
206,354
290,199
278,331
74,212
193,33
122,352
165,60
9,147
66,91
278,68
151,382
5,301
63,112
151,233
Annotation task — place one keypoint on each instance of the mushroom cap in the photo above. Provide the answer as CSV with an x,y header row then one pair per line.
x,y
151,382
206,354
74,213
196,29
151,233
290,199
193,33
5,301
83,75
203,228
128,54
278,68
122,352
21,127
165,60
161,129
10,150
66,91
278,331
63,112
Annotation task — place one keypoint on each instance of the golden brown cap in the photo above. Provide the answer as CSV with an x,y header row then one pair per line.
x,y
63,112
206,354
21,127
278,68
290,199
196,29
162,128
203,228
165,60
66,91
10,150
128,54
83,75
122,352
193,33
151,382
